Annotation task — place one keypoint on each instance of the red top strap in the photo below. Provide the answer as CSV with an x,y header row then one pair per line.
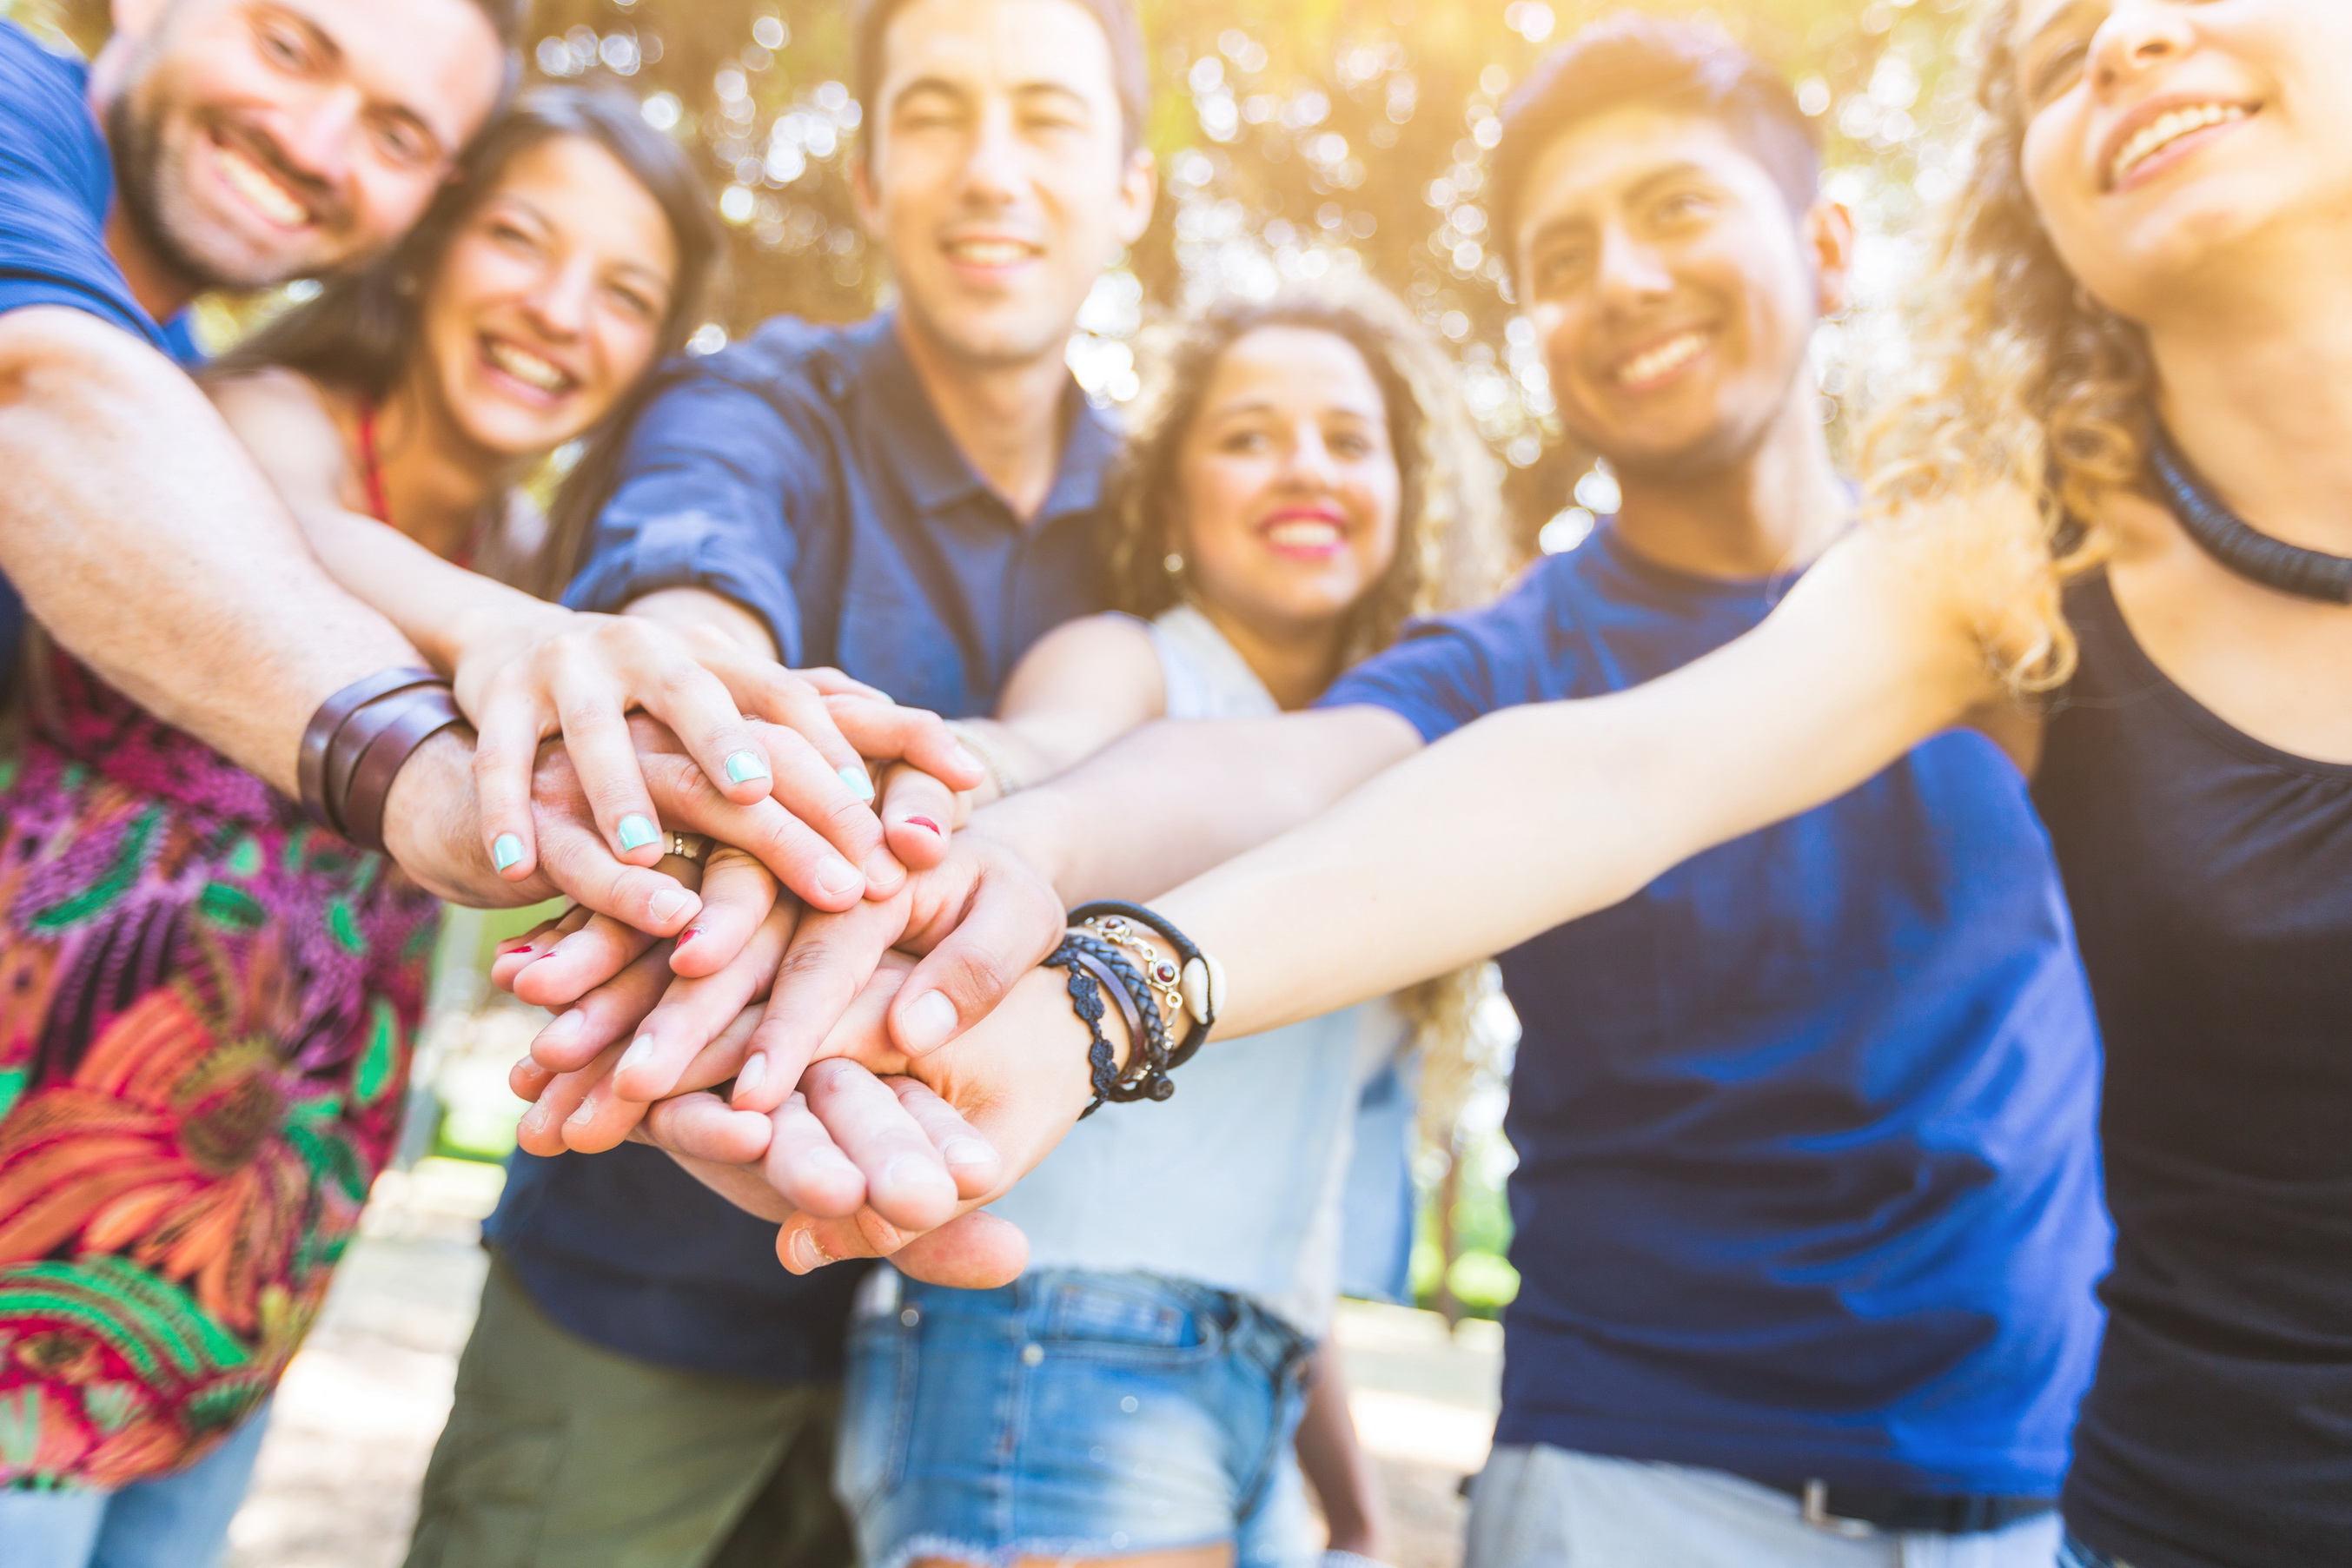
x,y
371,471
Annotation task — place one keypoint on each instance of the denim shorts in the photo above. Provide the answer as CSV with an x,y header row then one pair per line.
x,y
1071,1415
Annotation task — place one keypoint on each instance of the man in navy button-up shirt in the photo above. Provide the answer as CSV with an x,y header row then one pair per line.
x,y
912,499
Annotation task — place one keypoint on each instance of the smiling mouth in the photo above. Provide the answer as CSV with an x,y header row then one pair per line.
x,y
262,193
1317,534
2167,129
991,252
1656,364
539,374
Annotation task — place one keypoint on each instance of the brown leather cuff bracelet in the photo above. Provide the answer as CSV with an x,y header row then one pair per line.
x,y
356,742
310,770
410,720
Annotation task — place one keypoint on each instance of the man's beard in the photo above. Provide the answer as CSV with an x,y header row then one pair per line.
x,y
151,178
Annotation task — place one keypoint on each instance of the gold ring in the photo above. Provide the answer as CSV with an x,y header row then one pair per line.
x,y
685,846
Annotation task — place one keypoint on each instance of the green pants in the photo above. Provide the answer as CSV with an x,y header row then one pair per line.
x,y
562,1454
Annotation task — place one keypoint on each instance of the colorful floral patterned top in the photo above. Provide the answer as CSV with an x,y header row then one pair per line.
x,y
205,1010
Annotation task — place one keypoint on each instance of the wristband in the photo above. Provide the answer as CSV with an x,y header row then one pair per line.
x,y
319,735
408,722
1199,978
1145,1025
1085,1000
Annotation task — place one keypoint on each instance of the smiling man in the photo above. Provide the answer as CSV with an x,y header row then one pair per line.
x,y
913,499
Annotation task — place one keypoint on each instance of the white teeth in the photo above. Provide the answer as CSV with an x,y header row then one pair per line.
x,y
263,192
1302,534
527,367
990,252
2164,131
1671,355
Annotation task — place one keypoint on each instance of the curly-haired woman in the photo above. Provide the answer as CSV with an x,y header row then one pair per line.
x,y
1300,481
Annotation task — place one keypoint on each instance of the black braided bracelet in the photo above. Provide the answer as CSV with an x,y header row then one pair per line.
x,y
1141,1010
1085,1000
1210,985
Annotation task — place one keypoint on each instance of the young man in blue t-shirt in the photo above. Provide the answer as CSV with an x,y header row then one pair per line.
x,y
1807,1204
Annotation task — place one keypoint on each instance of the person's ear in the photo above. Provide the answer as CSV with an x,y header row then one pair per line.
x,y
865,199
1829,238
1139,187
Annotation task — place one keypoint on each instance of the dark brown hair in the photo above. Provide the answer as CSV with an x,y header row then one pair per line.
x,y
1629,58
1130,70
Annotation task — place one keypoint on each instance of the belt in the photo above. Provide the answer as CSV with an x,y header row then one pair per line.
x,y
1857,1511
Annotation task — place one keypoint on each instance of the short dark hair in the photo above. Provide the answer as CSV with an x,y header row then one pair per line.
x,y
1630,58
1130,69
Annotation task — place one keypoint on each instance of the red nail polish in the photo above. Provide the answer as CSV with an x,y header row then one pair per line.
x,y
689,934
514,945
926,822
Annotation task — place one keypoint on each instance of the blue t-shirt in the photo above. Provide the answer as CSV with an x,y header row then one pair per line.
x,y
803,472
1808,1172
56,183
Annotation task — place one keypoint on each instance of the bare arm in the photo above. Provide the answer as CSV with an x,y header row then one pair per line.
x,y
1333,1463
1537,815
147,544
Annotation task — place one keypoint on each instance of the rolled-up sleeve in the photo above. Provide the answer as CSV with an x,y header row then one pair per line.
x,y
709,487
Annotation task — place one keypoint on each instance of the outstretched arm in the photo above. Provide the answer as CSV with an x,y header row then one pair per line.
x,y
1536,815
149,546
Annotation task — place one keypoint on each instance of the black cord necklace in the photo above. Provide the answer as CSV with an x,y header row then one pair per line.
x,y
2274,563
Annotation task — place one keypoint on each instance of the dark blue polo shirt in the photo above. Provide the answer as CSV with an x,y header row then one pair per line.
x,y
1808,1175
804,473
55,185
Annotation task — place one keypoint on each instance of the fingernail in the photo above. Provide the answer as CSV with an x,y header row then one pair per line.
x,y
635,832
689,934
968,762
804,1254
967,1152
929,1021
745,765
563,1029
514,945
748,1076
910,1170
533,1120
859,784
640,1052
838,876
927,823
505,849
581,1117
669,905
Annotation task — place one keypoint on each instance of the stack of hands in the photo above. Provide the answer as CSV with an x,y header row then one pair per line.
x,y
818,968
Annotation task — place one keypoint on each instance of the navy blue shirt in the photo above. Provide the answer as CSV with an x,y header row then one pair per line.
x,y
804,473
1808,1179
55,185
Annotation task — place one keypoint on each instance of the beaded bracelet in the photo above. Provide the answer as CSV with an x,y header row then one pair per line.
x,y
1085,1000
1198,979
1145,1024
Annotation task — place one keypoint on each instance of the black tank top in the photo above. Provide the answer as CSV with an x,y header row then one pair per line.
x,y
2211,882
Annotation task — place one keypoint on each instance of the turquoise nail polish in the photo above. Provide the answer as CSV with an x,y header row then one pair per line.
x,y
859,784
505,849
635,832
744,766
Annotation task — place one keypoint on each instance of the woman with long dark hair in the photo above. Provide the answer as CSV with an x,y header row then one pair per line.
x,y
210,1002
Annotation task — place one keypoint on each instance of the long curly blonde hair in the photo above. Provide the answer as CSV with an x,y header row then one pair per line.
x,y
1451,553
2027,406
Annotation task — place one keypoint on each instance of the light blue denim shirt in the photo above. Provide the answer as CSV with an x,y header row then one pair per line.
x,y
1236,1181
